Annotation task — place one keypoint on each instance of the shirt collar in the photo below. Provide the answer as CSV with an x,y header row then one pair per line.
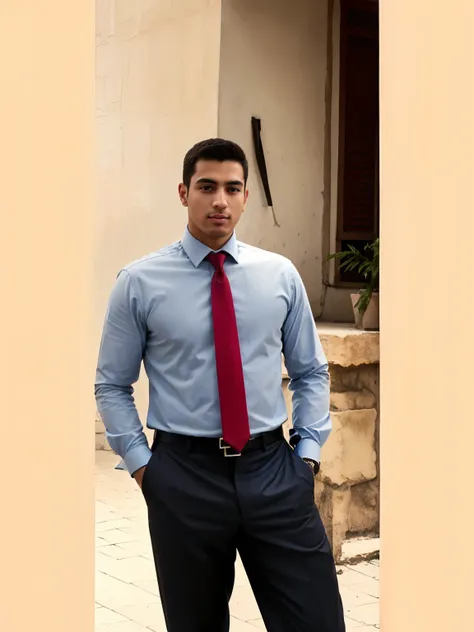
x,y
197,251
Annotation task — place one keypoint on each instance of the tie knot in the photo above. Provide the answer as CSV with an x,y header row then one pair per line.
x,y
217,259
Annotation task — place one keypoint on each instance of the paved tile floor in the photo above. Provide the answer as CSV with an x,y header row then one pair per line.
x,y
126,589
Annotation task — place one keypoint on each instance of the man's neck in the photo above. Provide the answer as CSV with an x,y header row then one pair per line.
x,y
213,244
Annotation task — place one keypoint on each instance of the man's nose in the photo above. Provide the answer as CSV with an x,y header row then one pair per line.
x,y
220,201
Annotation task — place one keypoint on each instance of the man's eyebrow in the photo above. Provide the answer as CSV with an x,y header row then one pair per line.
x,y
235,183
211,181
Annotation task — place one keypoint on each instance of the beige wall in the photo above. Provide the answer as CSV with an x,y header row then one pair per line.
x,y
273,66
427,315
157,93
46,234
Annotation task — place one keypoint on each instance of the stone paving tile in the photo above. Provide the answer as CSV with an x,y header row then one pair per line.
x,y
113,593
367,614
123,626
242,626
107,525
242,606
356,626
128,570
106,616
115,536
127,597
149,616
150,585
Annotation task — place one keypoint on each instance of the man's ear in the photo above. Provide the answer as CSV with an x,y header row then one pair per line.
x,y
183,194
246,197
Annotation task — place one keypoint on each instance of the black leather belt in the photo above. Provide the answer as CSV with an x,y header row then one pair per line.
x,y
218,446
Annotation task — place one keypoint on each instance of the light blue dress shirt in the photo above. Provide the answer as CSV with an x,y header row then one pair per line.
x,y
159,312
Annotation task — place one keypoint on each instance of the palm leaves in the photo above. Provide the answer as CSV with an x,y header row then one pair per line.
x,y
365,263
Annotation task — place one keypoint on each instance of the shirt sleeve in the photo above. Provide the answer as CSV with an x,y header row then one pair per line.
x,y
308,371
121,352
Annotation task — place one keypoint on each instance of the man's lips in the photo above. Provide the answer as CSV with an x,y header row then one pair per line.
x,y
219,219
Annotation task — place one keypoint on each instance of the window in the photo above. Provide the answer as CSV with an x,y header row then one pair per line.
x,y
358,178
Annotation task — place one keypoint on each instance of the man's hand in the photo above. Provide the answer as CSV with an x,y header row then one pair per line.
x,y
138,476
314,465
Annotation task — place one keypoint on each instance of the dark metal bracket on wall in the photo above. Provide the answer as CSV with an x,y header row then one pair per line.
x,y
262,167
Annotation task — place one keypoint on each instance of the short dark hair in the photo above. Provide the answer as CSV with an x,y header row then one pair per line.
x,y
213,149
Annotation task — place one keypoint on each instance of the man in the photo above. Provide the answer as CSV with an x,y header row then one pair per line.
x,y
210,316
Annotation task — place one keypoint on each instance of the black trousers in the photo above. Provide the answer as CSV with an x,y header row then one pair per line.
x,y
203,507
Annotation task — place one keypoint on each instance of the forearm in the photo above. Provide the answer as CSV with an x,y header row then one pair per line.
x,y
309,375
310,415
121,351
124,430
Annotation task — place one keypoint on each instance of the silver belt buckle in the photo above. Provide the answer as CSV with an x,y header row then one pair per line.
x,y
225,447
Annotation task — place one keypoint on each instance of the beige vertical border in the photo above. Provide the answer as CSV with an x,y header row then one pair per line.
x,y
427,315
46,203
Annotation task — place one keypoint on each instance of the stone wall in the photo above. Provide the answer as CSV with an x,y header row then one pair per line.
x,y
347,487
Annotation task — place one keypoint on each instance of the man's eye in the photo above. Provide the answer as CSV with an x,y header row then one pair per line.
x,y
234,190
206,187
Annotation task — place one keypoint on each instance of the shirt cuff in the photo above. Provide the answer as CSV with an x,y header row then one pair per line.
x,y
309,449
135,459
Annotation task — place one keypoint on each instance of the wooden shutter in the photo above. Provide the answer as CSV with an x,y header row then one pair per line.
x,y
358,205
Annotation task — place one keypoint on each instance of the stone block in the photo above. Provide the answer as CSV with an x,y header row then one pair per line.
x,y
354,378
100,441
363,509
349,456
333,506
106,445
349,347
353,400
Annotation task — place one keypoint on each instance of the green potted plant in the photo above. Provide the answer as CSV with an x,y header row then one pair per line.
x,y
366,262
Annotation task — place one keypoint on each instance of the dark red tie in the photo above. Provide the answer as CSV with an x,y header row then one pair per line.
x,y
230,375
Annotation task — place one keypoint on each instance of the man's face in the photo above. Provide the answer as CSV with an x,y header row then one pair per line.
x,y
215,200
